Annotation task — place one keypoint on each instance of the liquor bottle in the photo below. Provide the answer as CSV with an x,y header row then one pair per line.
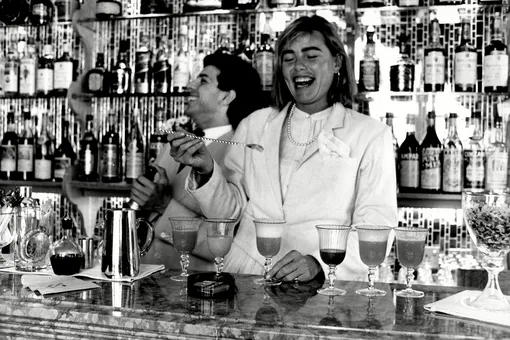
x,y
25,163
474,157
409,159
41,12
162,72
225,44
452,158
402,72
496,160
370,3
389,122
495,62
120,75
106,9
9,149
88,159
27,71
11,71
135,148
182,69
64,9
44,151
63,71
95,78
111,151
465,73
246,48
264,62
369,69
142,66
45,66
281,3
430,158
158,138
435,60
65,155
14,12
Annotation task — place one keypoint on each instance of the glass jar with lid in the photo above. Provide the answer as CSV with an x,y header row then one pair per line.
x,y
66,255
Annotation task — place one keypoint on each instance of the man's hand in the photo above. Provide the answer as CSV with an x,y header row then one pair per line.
x,y
152,195
190,151
295,266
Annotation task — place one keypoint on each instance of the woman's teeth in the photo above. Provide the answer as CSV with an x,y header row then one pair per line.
x,y
303,81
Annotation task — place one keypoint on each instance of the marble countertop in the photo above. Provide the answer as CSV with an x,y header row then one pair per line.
x,y
158,308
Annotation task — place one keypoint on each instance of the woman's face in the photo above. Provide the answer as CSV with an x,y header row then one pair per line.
x,y
308,69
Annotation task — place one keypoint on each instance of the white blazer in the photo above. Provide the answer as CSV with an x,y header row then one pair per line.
x,y
355,186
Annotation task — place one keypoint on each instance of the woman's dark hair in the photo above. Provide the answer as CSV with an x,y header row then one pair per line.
x,y
343,87
238,75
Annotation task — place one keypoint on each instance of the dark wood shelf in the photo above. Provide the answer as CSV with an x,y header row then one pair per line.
x,y
37,186
128,95
121,189
421,200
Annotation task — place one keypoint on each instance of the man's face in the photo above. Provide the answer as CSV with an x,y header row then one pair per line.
x,y
205,96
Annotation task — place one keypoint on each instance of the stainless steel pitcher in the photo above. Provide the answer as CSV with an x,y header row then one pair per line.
x,y
121,252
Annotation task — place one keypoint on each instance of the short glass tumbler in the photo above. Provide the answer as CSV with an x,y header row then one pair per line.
x,y
410,250
184,234
332,246
373,243
269,239
220,234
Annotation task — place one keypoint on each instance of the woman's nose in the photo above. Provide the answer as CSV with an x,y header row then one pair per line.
x,y
300,64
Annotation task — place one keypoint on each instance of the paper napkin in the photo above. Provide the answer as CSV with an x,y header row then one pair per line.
x,y
47,285
456,305
145,270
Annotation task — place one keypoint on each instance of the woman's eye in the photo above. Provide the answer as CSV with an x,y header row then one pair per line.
x,y
312,56
288,59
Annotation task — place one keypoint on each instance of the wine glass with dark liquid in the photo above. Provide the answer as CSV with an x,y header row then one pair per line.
x,y
373,242
184,233
410,250
332,248
220,233
269,239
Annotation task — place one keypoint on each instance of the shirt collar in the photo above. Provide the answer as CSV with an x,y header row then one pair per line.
x,y
217,131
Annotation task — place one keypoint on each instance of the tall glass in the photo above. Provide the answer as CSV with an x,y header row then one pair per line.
x,y
184,233
487,218
269,239
332,247
373,242
220,233
410,251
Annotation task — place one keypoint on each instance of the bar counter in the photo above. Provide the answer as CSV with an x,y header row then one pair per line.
x,y
158,308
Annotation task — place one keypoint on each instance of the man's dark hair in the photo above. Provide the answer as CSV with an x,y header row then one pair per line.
x,y
238,75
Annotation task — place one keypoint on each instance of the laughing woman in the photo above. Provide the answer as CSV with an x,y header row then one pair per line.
x,y
323,162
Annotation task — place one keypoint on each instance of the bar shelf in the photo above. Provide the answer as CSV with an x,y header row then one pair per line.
x,y
37,186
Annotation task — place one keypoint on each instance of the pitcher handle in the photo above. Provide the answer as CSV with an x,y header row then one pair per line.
x,y
150,234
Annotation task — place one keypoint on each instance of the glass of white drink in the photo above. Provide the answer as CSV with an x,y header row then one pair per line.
x,y
269,237
184,234
220,233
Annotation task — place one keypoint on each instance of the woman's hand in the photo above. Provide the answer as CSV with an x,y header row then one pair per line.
x,y
151,195
295,266
190,151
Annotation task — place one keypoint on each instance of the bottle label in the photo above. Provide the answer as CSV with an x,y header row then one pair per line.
x,y
452,170
95,82
434,68
8,162
25,158
142,72
369,74
61,164
496,168
264,62
495,69
39,10
110,160
474,169
197,64
181,71
134,162
27,77
108,7
44,81
154,150
409,170
161,77
63,75
11,77
282,2
430,175
88,162
407,3
42,169
465,68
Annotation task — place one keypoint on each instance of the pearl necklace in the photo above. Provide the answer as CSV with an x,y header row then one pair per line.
x,y
289,134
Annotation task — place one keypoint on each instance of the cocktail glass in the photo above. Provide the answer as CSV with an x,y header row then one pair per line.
x,y
6,226
269,238
373,242
410,250
184,233
487,217
220,233
332,247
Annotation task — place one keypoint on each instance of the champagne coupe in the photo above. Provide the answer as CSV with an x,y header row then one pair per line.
x,y
410,251
373,241
6,232
269,238
184,233
332,246
487,217
220,233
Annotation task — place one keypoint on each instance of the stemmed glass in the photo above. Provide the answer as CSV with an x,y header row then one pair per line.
x,y
220,233
332,246
184,233
487,218
410,251
373,241
269,238
6,232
